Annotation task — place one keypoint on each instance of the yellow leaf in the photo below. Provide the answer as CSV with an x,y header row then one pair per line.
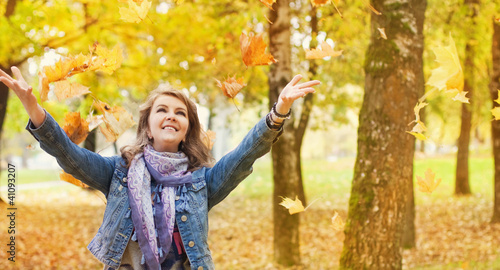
x,y
65,89
449,74
418,135
382,33
253,50
428,184
72,180
461,97
326,50
107,60
75,127
231,86
337,222
135,12
116,121
498,97
496,113
43,86
292,206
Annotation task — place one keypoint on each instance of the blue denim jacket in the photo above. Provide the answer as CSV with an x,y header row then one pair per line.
x,y
109,175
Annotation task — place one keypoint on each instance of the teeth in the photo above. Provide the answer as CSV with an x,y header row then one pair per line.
x,y
171,128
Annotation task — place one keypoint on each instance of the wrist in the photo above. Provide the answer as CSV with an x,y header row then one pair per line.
x,y
277,112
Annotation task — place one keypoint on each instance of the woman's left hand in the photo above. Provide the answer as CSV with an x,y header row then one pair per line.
x,y
293,91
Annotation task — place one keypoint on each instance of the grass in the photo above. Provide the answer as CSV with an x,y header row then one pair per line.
x,y
25,176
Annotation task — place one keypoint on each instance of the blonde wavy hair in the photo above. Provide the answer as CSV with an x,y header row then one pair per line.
x,y
194,147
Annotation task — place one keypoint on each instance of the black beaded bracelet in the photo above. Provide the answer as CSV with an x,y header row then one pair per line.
x,y
279,115
271,124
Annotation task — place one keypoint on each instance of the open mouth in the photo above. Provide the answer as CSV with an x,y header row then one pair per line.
x,y
169,128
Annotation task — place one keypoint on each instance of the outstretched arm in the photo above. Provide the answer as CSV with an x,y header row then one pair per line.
x,y
25,93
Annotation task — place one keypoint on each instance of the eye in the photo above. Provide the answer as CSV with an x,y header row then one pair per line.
x,y
181,113
161,109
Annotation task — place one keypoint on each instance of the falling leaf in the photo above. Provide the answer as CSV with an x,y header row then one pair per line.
x,y
253,50
496,113
372,8
326,50
428,184
292,206
75,127
135,12
317,3
498,97
43,86
116,121
65,89
382,33
461,97
418,135
107,60
497,20
268,3
208,138
231,86
449,74
30,147
94,121
72,180
337,222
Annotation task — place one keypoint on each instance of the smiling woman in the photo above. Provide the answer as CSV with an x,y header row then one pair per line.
x,y
159,191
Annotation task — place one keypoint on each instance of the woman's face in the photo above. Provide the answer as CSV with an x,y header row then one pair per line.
x,y
168,123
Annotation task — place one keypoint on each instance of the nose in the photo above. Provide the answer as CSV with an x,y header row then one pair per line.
x,y
171,117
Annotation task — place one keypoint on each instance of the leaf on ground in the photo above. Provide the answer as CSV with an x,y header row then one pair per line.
x,y
231,86
268,3
449,74
337,222
116,121
66,89
72,180
496,113
292,206
136,11
253,50
326,50
429,184
75,127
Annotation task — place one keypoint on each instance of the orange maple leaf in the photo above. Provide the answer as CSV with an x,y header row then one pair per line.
x,y
116,120
75,127
253,50
65,89
72,180
326,50
208,138
231,86
268,3
317,3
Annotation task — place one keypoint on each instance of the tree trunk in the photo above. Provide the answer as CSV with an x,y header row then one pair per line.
x,y
495,125
384,163
462,170
287,172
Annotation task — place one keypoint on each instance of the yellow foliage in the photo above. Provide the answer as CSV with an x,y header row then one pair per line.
x,y
136,11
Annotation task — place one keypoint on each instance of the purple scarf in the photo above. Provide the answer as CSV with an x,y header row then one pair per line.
x,y
154,224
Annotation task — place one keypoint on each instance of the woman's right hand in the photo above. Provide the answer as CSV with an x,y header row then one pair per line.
x,y
25,93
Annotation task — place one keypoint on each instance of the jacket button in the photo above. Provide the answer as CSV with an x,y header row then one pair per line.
x,y
177,198
191,244
125,179
184,218
200,267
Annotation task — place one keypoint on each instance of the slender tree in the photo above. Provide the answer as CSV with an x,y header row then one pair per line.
x,y
384,163
495,125
462,186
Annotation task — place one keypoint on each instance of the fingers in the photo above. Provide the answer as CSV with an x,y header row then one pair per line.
x,y
295,80
308,84
17,73
7,82
5,75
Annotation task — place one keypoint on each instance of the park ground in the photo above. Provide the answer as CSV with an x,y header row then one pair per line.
x,y
55,221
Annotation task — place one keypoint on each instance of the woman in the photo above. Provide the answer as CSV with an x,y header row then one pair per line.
x,y
159,191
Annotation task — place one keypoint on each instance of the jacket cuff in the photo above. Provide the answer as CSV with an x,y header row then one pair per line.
x,y
48,124
266,133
